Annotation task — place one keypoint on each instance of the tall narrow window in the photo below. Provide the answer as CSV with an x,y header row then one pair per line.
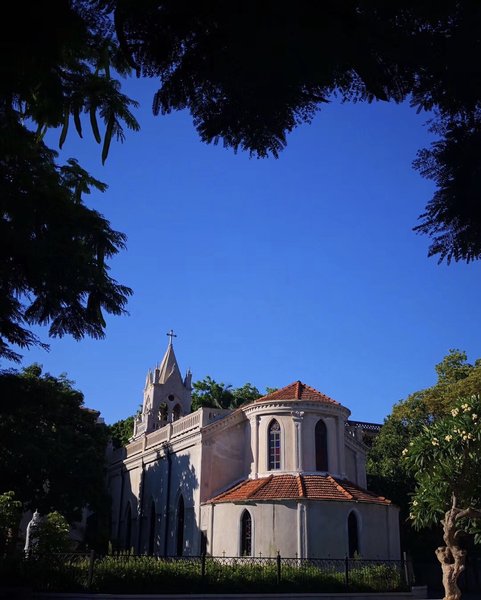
x,y
321,446
163,412
353,534
128,528
246,534
152,527
274,446
180,527
176,413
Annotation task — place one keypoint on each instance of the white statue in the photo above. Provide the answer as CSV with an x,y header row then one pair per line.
x,y
31,538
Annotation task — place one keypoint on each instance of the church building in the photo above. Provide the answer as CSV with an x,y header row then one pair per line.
x,y
285,473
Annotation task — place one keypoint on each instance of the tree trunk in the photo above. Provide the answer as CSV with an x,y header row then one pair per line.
x,y
451,556
452,561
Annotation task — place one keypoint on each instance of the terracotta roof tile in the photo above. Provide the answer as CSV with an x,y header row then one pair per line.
x,y
292,487
298,391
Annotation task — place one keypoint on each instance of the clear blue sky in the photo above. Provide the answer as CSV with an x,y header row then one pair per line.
x,y
269,271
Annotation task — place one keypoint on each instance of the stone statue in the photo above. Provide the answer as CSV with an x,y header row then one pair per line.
x,y
31,538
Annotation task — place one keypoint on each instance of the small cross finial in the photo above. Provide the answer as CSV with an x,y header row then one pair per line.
x,y
171,335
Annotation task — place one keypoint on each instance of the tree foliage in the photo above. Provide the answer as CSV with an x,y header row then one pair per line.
x,y
250,72
387,471
52,535
10,513
445,460
121,431
52,450
56,61
208,392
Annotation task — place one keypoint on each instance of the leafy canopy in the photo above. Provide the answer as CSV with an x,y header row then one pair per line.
x,y
445,460
10,514
250,72
52,535
207,392
387,472
52,450
56,66
121,431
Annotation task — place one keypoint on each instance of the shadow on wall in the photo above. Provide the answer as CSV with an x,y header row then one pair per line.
x,y
159,518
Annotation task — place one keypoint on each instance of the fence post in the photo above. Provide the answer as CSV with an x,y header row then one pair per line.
x,y
91,569
278,562
202,565
346,571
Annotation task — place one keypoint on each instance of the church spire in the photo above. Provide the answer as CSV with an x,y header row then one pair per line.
x,y
168,367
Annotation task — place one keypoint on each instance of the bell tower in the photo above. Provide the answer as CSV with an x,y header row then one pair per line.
x,y
167,397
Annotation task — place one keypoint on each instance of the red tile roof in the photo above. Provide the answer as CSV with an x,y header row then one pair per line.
x,y
293,487
298,391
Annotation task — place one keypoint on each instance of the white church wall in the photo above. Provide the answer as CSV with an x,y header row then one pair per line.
x,y
381,532
224,458
351,465
185,480
154,492
321,533
327,530
318,531
274,528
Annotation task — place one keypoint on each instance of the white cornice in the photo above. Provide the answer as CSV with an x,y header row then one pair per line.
x,y
268,407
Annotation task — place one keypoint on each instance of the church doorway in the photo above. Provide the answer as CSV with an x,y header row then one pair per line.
x,y
152,524
180,527
128,528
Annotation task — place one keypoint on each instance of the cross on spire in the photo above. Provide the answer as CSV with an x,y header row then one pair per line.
x,y
171,335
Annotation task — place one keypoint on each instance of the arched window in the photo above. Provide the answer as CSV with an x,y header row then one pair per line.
x,y
180,527
152,527
274,446
321,446
128,528
176,413
246,534
163,412
353,534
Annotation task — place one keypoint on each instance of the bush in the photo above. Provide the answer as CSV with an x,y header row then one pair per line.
x,y
147,574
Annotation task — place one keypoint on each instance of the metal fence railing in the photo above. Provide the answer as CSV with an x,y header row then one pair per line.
x,y
122,572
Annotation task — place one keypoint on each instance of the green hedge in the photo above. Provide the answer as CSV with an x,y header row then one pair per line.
x,y
146,574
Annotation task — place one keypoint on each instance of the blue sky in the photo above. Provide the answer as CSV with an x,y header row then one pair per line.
x,y
305,267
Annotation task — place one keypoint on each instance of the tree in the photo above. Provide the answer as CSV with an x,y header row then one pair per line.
x,y
445,460
53,535
244,394
121,431
56,65
207,392
250,72
10,513
58,62
52,449
387,472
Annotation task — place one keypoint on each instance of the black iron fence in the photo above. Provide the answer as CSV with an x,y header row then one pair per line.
x,y
129,573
